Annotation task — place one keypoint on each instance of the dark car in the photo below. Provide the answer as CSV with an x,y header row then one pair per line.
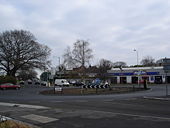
x,y
77,84
9,86
37,83
29,81
21,82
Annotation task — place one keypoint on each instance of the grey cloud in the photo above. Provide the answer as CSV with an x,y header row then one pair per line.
x,y
114,27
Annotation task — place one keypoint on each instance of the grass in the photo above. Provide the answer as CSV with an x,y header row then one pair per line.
x,y
13,124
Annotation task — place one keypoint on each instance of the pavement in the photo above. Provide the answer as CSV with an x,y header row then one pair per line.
x,y
157,98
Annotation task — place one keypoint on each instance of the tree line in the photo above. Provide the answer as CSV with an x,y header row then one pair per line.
x,y
21,54
81,55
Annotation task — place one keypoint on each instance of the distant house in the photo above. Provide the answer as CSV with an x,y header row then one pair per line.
x,y
89,72
80,73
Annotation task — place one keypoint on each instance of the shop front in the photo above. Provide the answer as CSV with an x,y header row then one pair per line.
x,y
138,75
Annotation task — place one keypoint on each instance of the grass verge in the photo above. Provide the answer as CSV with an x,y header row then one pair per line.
x,y
13,124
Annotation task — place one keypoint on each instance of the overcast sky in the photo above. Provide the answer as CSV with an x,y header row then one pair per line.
x,y
114,28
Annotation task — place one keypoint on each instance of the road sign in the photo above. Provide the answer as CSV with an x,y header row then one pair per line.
x,y
96,86
58,89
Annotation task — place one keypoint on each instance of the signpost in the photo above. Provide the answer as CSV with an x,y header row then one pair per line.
x,y
166,67
58,89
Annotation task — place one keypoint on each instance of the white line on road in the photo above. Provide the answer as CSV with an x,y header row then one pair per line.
x,y
143,116
22,105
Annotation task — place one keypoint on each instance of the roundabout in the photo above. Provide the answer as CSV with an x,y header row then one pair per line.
x,y
80,91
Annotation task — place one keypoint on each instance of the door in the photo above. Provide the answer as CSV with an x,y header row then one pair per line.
x,y
114,80
167,79
134,80
123,80
158,79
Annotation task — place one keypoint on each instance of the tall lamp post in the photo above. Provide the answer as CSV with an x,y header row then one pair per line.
x,y
137,55
58,72
58,64
59,68
137,60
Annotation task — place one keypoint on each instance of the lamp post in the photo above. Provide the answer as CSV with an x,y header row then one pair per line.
x,y
58,64
59,68
137,55
137,58
58,72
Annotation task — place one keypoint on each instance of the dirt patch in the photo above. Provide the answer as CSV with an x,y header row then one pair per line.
x,y
91,91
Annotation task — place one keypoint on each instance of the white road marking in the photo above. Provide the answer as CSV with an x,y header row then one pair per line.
x,y
144,117
22,105
41,119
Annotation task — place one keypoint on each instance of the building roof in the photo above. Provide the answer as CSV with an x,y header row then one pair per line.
x,y
90,69
136,68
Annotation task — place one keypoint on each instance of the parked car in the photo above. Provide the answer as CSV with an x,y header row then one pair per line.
x,y
77,83
37,82
9,86
61,82
43,83
29,81
21,82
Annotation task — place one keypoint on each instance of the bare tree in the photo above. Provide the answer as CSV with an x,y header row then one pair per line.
x,y
148,61
19,48
79,56
104,65
27,74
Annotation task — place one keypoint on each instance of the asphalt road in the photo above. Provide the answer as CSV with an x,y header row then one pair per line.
x,y
131,110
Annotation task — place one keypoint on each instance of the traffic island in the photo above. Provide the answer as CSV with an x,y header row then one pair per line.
x,y
91,91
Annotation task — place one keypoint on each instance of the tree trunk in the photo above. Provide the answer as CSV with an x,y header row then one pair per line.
x,y
11,73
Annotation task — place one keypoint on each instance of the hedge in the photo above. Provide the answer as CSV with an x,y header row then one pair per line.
x,y
7,79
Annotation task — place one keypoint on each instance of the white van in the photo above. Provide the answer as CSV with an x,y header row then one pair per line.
x,y
61,82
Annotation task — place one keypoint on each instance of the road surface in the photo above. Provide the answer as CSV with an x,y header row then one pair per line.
x,y
131,110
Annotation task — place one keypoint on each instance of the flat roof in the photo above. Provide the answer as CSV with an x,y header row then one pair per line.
x,y
136,68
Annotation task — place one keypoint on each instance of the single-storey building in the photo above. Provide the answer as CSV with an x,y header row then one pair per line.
x,y
138,74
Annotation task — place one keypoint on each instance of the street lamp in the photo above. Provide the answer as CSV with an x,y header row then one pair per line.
x,y
59,68
137,64
58,63
137,56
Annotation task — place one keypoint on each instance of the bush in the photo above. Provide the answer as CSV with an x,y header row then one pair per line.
x,y
7,79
